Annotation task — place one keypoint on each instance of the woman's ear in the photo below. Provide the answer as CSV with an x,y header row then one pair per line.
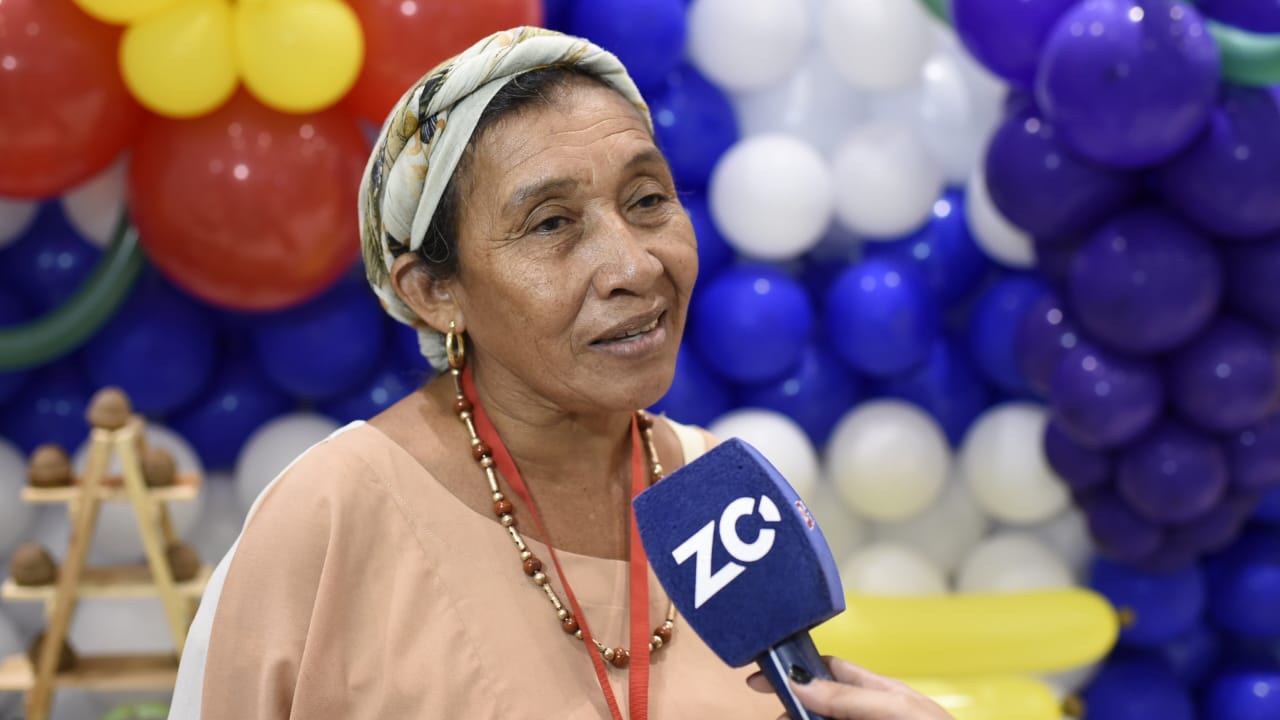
x,y
432,299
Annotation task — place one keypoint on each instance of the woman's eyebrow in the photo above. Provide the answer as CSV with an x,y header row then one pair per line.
x,y
645,157
539,188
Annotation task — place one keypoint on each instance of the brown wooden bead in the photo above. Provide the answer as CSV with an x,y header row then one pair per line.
x,y
481,451
621,658
569,625
461,405
664,632
532,566
502,507
644,421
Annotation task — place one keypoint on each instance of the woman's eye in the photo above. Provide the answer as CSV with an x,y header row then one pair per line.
x,y
652,200
551,224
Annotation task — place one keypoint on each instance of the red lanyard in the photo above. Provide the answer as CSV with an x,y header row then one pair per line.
x,y
638,675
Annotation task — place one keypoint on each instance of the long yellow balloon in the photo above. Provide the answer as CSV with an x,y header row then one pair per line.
x,y
179,63
992,698
972,634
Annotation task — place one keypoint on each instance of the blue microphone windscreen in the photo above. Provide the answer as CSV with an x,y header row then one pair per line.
x,y
738,552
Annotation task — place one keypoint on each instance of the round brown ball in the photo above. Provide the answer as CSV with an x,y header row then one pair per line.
x,y
184,561
109,409
49,467
32,565
66,656
158,468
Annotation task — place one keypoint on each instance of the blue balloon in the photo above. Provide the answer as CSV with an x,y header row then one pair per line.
x,y
943,250
556,15
1044,336
714,252
12,312
1244,693
647,37
1164,606
751,323
1042,187
816,395
1224,190
405,353
1145,283
1079,467
946,385
238,401
1192,655
695,125
1007,37
1268,510
1120,532
1172,474
384,389
1255,456
325,348
1103,400
49,409
1263,17
1227,378
50,262
993,334
697,396
1244,586
881,317
160,348
1137,687
1129,82
1251,272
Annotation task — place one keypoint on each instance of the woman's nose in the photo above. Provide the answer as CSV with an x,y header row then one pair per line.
x,y
626,262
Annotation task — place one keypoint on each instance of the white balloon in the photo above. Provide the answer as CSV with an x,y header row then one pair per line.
x,y
272,447
113,626
885,568
945,531
886,181
16,217
15,516
843,529
876,44
999,238
889,459
117,539
11,643
1066,683
1067,534
779,439
771,196
1012,561
747,44
814,104
221,521
94,207
1002,458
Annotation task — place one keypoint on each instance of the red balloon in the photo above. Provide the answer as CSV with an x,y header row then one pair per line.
x,y
248,208
64,111
404,39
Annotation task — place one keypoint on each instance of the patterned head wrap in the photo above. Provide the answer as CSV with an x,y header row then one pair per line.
x,y
425,135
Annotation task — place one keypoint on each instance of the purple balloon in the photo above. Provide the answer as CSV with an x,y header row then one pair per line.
x,y
1006,37
1261,16
1054,257
1081,468
1252,270
1145,283
1226,379
1102,400
1120,532
1128,82
1045,336
1173,474
1229,179
1042,187
1215,529
1255,456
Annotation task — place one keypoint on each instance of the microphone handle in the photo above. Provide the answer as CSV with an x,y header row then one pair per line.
x,y
794,658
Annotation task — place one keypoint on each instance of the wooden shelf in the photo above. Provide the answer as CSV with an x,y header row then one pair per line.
x,y
102,672
118,581
186,487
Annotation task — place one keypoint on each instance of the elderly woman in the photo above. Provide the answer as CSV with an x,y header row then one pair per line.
x,y
469,552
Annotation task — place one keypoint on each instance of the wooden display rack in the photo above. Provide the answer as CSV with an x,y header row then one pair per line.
x,y
75,580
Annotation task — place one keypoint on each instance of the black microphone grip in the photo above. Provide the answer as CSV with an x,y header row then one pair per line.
x,y
795,658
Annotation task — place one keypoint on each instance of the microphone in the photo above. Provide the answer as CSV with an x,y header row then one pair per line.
x,y
744,562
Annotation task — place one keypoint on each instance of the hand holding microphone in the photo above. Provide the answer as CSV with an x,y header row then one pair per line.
x,y
858,694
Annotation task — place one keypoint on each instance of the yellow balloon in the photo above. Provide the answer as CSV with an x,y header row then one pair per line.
x,y
298,55
992,698
972,634
121,12
179,63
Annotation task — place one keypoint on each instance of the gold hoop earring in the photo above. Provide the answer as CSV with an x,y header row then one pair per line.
x,y
455,347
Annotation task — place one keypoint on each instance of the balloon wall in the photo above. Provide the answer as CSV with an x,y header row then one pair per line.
x,y
995,284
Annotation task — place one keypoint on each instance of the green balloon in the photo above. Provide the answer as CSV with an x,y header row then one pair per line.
x,y
61,331
1248,58
940,8
138,711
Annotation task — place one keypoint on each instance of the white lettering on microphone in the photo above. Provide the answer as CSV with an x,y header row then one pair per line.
x,y
701,544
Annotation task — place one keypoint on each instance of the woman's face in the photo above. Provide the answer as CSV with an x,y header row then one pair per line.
x,y
576,259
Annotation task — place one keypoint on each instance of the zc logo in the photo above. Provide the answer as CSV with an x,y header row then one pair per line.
x,y
706,583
